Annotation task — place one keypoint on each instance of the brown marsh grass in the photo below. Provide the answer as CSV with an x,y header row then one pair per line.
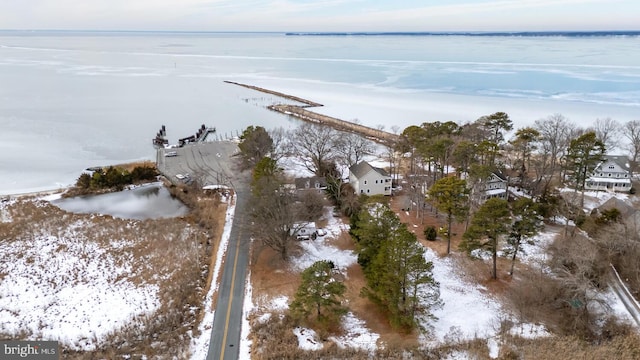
x,y
173,254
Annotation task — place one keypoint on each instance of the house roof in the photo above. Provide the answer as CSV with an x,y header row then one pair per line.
x,y
362,168
309,182
625,209
500,175
620,160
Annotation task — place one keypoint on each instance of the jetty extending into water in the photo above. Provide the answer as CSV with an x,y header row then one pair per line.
x,y
301,112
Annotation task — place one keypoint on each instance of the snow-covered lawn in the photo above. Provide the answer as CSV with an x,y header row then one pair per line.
x,y
68,288
467,312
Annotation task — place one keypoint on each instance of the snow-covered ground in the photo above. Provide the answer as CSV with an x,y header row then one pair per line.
x,y
468,310
68,288
593,199
78,296
356,334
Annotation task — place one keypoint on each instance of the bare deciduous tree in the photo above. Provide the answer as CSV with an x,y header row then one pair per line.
x,y
277,218
314,145
279,138
555,134
352,148
607,131
631,130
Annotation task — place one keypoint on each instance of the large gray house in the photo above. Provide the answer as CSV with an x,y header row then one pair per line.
x,y
612,174
369,180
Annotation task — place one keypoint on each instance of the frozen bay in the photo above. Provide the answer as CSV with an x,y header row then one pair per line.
x,y
71,100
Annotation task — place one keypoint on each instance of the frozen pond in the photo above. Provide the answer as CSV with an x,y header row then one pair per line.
x,y
146,202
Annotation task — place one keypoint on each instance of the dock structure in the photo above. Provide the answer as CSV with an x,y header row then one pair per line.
x,y
203,134
161,137
200,136
301,112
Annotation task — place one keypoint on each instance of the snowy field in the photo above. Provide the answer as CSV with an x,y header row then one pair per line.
x,y
63,286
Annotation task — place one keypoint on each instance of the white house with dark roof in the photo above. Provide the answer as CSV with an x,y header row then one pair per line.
x,y
612,174
369,180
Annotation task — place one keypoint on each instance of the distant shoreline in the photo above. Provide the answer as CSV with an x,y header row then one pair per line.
x,y
552,33
604,33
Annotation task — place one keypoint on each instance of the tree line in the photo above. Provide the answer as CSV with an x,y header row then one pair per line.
x,y
114,177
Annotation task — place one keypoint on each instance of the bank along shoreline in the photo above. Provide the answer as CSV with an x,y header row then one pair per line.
x,y
54,192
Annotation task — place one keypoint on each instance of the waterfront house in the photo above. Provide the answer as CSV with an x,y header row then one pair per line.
x,y
612,174
496,186
369,180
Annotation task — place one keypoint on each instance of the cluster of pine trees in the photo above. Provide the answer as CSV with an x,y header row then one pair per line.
x,y
399,278
115,177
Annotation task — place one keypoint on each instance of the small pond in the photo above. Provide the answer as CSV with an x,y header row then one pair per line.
x,y
146,202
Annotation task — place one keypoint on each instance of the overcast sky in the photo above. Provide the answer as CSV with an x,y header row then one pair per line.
x,y
321,15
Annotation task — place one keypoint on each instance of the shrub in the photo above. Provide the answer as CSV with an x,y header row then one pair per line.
x,y
430,233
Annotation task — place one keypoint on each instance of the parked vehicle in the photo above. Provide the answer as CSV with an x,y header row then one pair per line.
x,y
304,231
171,154
319,233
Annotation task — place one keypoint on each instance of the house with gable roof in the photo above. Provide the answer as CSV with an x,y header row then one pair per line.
x,y
612,174
496,186
369,180
314,183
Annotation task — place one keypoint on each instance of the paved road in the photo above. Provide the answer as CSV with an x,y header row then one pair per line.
x,y
624,295
213,164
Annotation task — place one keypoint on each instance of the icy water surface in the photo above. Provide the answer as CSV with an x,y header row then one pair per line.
x,y
147,202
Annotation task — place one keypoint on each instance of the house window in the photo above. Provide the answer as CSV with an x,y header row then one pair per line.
x,y
376,181
367,191
600,174
617,175
365,182
611,167
361,191
625,175
609,174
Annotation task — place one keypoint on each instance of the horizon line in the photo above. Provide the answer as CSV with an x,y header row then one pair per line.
x,y
289,32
